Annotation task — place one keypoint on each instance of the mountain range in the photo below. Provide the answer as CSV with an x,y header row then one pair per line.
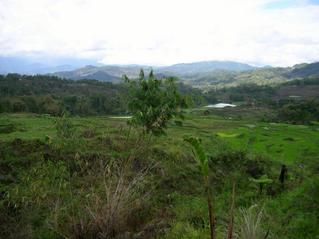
x,y
201,74
204,74
185,71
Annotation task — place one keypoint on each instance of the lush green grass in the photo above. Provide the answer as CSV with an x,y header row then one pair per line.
x,y
282,142
179,197
31,126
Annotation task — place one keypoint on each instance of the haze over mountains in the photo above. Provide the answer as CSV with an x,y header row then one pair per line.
x,y
199,74
185,71
26,65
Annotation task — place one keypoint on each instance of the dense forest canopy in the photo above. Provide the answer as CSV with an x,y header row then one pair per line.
x,y
295,101
53,95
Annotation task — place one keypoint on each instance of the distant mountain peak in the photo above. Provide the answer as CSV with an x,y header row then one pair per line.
x,y
181,70
202,72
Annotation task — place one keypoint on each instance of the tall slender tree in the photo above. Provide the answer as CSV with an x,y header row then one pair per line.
x,y
153,102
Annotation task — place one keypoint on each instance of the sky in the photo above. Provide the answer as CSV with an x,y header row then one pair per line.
x,y
162,32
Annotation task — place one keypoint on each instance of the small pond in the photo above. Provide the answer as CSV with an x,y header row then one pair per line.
x,y
220,105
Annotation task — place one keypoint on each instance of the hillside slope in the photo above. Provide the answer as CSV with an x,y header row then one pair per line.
x,y
185,71
201,74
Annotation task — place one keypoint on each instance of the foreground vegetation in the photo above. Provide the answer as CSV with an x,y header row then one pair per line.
x,y
82,184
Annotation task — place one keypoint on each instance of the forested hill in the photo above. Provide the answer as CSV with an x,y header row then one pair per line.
x,y
203,75
259,76
53,95
50,94
43,94
185,71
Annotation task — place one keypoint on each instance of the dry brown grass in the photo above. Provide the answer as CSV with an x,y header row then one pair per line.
x,y
112,210
250,224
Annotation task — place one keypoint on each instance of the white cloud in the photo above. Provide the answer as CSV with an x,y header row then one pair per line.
x,y
161,31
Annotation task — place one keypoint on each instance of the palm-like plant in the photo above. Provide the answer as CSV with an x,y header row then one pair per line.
x,y
202,160
262,181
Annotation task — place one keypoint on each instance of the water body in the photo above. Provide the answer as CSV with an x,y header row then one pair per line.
x,y
220,105
120,117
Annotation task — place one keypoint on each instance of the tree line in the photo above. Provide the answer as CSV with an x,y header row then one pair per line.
x,y
52,95
46,94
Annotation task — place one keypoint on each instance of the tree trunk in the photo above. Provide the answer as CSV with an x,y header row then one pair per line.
x,y
261,186
210,210
231,222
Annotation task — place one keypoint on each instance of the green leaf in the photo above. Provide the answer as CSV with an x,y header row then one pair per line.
x,y
262,180
199,153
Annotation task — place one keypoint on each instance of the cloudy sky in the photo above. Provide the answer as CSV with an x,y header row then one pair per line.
x,y
162,32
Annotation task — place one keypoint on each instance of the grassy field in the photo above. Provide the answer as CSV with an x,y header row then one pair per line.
x,y
282,142
177,207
